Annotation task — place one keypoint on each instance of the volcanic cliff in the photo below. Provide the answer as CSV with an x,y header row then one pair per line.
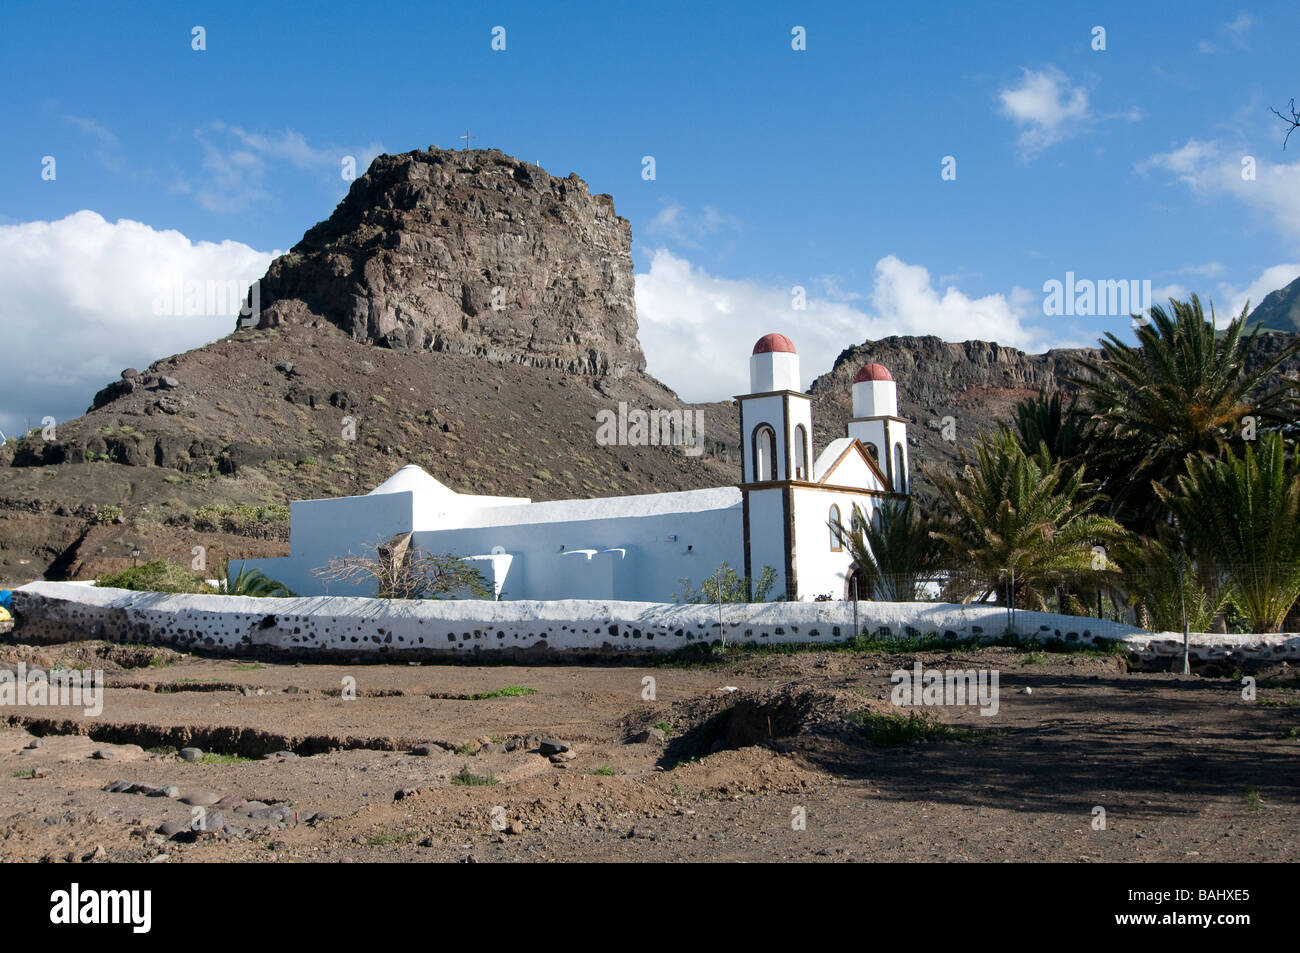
x,y
469,252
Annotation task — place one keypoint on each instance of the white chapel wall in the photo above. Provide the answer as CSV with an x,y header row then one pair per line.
x,y
657,552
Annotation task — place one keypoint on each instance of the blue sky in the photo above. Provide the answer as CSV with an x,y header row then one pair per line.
x,y
775,168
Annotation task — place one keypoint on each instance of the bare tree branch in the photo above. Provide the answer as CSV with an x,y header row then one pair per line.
x,y
404,573
1292,121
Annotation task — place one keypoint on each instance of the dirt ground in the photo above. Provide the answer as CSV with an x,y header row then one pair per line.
x,y
764,760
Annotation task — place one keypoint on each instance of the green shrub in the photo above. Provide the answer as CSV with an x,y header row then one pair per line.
x,y
465,778
726,585
217,517
510,691
889,729
156,576
108,514
213,758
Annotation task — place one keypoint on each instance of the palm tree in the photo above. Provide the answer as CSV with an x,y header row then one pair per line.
x,y
1048,421
1165,587
893,552
1011,511
1242,515
1183,390
250,582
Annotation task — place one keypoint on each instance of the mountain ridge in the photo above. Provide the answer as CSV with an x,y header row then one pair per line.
x,y
1279,310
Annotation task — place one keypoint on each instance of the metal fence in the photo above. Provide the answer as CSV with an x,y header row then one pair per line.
x,y
1165,598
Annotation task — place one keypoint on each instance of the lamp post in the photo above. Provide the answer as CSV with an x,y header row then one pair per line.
x,y
135,555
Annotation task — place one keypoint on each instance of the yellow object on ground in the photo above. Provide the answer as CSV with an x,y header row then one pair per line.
x,y
4,615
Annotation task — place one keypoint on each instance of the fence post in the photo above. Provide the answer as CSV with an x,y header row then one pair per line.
x,y
717,581
856,631
1182,602
1011,602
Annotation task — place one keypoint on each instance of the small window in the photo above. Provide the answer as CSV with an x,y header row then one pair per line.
x,y
875,454
900,471
800,453
837,541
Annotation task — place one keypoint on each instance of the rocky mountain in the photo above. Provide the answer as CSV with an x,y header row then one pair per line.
x,y
970,385
460,310
949,392
1279,311
468,252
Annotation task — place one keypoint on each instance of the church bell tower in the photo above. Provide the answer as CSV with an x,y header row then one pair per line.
x,y
776,456
876,423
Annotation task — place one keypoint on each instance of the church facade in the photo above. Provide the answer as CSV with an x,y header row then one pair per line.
x,y
639,548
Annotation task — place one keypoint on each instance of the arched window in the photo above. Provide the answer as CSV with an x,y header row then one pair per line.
x,y
801,453
837,541
900,472
764,454
875,454
855,524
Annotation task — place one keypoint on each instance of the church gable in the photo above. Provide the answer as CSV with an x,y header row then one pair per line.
x,y
845,462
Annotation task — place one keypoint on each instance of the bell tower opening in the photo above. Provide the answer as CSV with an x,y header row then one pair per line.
x,y
764,454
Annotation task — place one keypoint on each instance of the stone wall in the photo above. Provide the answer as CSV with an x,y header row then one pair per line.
x,y
344,627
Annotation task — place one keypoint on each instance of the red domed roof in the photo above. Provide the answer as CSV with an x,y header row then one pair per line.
x,y
873,372
774,342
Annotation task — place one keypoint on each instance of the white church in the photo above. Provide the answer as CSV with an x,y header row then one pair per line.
x,y
639,548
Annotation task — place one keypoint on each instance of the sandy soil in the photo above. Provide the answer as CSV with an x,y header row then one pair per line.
x,y
1185,769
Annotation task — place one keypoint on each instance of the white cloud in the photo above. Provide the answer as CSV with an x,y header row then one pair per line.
x,y
1046,106
237,164
108,149
1232,298
832,287
689,320
1227,298
692,229
1161,296
1233,33
96,130
666,220
79,306
1239,27
1213,169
